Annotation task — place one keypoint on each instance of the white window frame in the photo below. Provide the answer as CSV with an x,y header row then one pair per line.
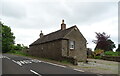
x,y
71,44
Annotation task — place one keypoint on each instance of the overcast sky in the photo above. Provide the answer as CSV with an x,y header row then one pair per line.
x,y
28,17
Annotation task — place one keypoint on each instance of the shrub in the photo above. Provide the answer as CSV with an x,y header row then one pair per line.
x,y
90,56
18,52
98,52
111,53
97,57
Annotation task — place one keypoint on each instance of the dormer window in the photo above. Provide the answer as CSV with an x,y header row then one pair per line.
x,y
71,44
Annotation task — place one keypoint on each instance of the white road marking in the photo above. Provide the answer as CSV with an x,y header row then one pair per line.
x,y
35,60
1,56
54,64
99,75
4,57
17,62
30,61
78,70
27,61
35,72
7,57
22,62
14,61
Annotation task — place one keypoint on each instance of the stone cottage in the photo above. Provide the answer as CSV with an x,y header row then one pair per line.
x,y
66,43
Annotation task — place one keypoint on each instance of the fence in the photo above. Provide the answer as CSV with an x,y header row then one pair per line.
x,y
111,58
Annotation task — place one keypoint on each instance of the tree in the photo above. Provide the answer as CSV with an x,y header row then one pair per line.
x,y
118,49
111,45
0,37
24,47
19,47
104,42
7,38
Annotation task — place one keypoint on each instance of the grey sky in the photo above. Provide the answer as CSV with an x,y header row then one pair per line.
x,y
28,17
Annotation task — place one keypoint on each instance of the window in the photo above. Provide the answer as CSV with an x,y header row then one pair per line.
x,y
72,44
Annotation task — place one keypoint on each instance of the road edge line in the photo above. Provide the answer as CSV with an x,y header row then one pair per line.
x,y
79,70
35,72
54,64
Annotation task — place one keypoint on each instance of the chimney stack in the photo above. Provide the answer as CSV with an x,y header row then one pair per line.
x,y
41,34
63,26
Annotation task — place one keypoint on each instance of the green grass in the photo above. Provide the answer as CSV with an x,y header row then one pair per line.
x,y
102,68
65,62
110,53
86,67
97,57
18,52
46,59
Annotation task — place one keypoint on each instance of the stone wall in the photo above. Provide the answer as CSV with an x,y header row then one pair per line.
x,y
59,49
26,51
65,50
80,51
47,50
111,58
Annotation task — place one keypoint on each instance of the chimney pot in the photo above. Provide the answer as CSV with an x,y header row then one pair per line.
x,y
41,34
63,26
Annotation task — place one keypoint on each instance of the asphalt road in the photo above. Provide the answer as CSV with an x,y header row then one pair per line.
x,y
13,65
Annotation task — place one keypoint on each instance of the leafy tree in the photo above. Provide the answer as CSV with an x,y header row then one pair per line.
x,y
118,49
7,38
110,46
19,47
103,42
24,47
0,37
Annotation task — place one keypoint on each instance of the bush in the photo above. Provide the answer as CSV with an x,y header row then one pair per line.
x,y
98,52
97,57
111,53
90,56
18,52
19,47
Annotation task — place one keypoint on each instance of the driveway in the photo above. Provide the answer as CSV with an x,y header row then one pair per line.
x,y
99,66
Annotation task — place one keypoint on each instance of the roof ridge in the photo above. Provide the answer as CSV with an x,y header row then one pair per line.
x,y
53,36
60,30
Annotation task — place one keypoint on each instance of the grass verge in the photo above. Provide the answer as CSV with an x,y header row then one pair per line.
x,y
64,62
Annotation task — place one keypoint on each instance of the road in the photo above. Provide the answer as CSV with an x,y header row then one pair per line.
x,y
13,65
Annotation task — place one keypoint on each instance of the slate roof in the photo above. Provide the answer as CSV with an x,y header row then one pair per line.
x,y
60,34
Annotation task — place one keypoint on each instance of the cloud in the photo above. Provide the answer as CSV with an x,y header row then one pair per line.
x,y
28,17
109,26
91,12
13,9
50,13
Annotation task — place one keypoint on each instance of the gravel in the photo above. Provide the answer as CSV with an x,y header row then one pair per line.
x,y
99,66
